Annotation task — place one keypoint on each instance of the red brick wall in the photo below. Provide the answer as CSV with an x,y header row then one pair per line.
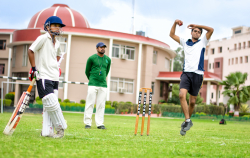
x,y
218,70
206,65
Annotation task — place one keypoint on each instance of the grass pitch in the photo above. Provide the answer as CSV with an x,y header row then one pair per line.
x,y
205,139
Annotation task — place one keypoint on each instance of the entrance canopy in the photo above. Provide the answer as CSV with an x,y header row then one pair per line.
x,y
174,77
209,79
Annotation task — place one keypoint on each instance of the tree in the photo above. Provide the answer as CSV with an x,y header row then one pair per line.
x,y
179,59
235,89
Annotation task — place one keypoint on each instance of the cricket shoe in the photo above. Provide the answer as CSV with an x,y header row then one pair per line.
x,y
50,135
87,127
59,134
185,126
101,127
182,126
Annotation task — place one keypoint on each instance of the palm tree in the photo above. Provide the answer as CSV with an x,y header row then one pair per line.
x,y
236,90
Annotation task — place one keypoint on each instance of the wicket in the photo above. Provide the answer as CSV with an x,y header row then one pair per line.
x,y
144,110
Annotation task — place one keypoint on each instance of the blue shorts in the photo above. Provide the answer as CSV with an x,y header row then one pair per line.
x,y
45,87
191,82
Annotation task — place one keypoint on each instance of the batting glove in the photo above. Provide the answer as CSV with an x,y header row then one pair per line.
x,y
34,74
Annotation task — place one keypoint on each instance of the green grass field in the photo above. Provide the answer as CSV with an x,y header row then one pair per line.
x,y
205,139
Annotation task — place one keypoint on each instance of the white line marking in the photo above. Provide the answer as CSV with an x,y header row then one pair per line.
x,y
39,16
56,10
72,16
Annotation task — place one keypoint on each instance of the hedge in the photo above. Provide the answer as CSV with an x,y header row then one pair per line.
x,y
6,102
75,107
10,96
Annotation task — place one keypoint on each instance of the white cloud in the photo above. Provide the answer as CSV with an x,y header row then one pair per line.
x,y
158,28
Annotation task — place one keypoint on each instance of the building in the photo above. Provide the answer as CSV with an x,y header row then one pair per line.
x,y
136,60
228,55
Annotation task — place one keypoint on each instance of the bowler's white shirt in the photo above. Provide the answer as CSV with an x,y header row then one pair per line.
x,y
194,54
46,56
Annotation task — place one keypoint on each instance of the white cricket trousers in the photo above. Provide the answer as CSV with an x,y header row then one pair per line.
x,y
95,95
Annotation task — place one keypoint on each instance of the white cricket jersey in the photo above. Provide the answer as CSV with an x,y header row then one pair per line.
x,y
194,55
46,57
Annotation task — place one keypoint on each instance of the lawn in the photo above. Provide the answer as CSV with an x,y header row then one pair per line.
x,y
205,139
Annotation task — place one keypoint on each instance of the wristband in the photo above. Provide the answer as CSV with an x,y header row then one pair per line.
x,y
34,68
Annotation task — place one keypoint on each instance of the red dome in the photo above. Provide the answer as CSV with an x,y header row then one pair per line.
x,y
70,17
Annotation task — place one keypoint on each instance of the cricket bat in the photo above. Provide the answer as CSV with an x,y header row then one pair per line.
x,y
19,110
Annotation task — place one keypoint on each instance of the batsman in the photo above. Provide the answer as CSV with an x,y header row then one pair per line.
x,y
44,54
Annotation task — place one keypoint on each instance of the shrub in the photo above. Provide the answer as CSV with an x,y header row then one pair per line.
x,y
82,101
161,101
10,96
59,99
108,102
38,99
6,102
244,108
202,114
174,100
246,116
156,108
39,102
66,101
122,106
115,104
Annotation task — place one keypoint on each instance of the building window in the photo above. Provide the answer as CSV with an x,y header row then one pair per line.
x,y
115,50
130,51
127,84
236,60
118,50
25,55
161,89
63,44
232,61
235,46
217,65
154,57
213,65
209,65
61,78
248,44
228,61
212,95
220,50
237,32
153,87
246,59
241,60
2,44
2,66
212,51
239,46
167,63
14,57
244,45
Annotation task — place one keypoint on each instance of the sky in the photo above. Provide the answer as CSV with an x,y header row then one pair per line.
x,y
155,17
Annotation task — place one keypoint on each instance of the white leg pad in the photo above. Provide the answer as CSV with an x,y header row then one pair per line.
x,y
52,106
56,92
48,128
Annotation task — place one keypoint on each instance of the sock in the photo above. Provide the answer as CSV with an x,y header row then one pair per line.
x,y
187,120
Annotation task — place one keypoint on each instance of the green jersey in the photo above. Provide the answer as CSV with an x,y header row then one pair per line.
x,y
97,69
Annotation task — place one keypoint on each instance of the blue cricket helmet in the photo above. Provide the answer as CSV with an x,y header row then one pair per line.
x,y
53,20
